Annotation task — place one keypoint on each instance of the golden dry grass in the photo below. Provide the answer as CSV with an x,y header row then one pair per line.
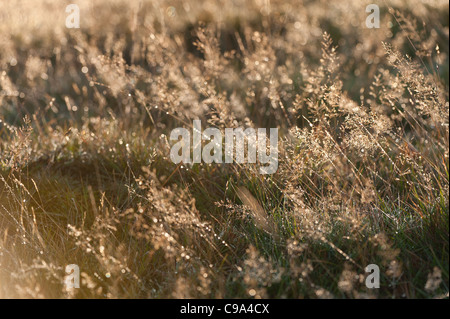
x,y
86,178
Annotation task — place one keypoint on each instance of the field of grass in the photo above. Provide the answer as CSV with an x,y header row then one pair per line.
x,y
86,176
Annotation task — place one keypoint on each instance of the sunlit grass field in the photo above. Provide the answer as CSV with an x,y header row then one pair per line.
x,y
86,177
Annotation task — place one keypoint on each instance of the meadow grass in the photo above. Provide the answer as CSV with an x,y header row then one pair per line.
x,y
86,177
